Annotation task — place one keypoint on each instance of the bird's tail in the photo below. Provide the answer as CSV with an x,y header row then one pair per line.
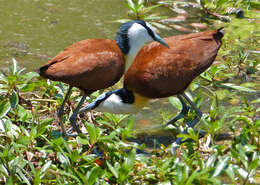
x,y
219,34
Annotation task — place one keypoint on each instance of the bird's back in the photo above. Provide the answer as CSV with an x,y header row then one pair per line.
x,y
161,72
90,65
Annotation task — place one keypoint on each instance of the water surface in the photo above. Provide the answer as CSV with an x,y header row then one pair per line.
x,y
32,31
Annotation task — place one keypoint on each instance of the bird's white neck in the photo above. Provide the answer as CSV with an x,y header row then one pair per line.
x,y
121,104
129,58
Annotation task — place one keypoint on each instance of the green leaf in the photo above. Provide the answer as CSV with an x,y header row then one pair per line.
x,y
28,85
46,122
92,131
14,69
13,99
250,84
93,174
131,5
5,107
139,7
3,78
129,161
196,175
23,176
230,171
211,160
63,158
236,87
43,125
23,114
220,166
45,167
30,75
37,178
206,76
140,2
82,141
127,166
175,102
112,169
25,140
165,183
254,164
222,93
9,181
18,72
221,2
242,172
256,101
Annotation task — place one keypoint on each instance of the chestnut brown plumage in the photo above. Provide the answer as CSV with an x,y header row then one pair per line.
x,y
95,64
84,65
159,72
103,56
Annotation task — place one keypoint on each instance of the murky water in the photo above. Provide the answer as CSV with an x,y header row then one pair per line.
x,y
32,31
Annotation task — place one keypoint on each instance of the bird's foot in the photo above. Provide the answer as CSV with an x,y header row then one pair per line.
x,y
73,123
68,134
182,114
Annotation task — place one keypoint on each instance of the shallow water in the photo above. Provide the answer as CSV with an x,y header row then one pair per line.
x,y
32,31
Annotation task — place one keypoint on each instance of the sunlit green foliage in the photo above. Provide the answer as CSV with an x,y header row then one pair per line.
x,y
32,150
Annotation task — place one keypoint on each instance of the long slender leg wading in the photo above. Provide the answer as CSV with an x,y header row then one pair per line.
x,y
184,111
190,125
61,110
75,113
198,112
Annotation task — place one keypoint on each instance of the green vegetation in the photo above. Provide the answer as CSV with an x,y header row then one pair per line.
x,y
32,150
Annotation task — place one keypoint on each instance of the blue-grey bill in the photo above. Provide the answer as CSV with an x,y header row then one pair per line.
x,y
161,41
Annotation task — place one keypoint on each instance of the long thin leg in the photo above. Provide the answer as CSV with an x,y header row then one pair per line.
x,y
190,125
73,117
184,111
61,110
198,112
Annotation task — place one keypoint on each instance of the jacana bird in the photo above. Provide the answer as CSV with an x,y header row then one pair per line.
x,y
95,64
159,72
